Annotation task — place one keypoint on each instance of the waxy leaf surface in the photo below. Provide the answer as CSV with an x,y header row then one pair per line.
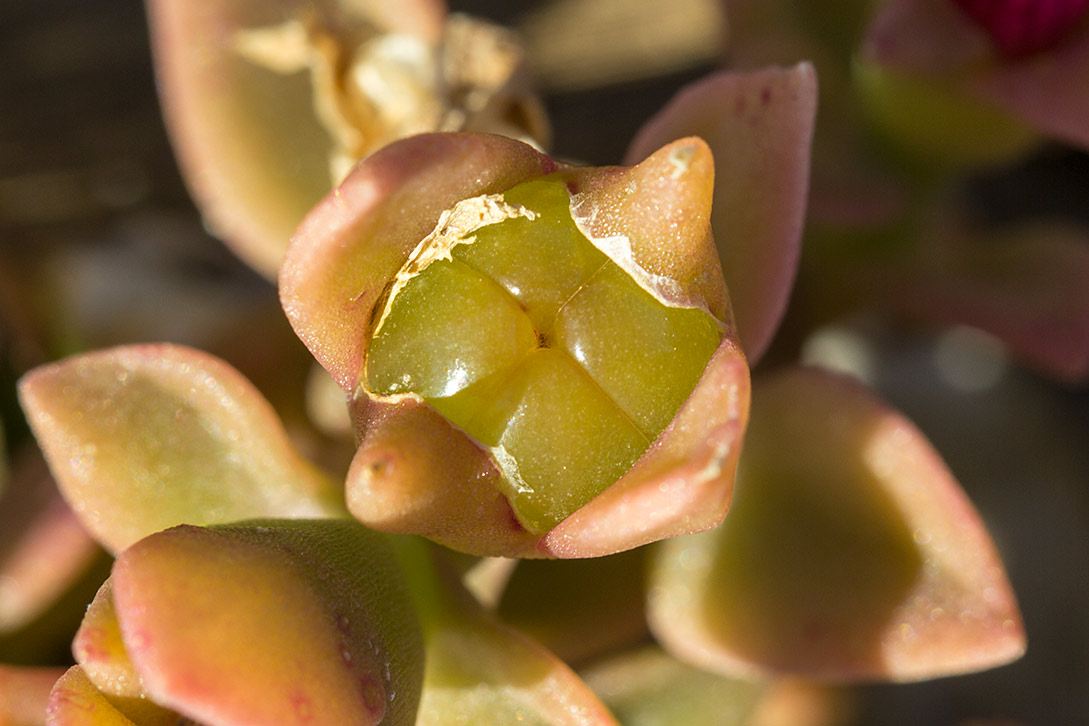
x,y
269,622
759,125
358,237
850,552
479,670
142,438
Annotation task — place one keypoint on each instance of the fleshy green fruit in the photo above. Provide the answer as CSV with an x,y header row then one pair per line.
x,y
540,346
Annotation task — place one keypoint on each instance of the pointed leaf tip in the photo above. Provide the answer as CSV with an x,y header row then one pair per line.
x,y
759,126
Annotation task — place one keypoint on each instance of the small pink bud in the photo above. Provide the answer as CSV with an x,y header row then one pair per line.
x,y
1023,27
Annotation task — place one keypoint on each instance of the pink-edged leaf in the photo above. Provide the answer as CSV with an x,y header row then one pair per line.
x,y
648,686
355,240
254,152
44,550
141,438
24,693
1027,286
850,552
1048,89
271,622
924,36
75,701
100,652
578,609
759,125
415,473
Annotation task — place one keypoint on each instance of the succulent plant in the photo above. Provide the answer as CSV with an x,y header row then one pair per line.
x,y
559,507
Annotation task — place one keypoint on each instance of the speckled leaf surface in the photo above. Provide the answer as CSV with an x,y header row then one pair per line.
x,y
270,622
141,438
254,153
759,126
415,473
850,552
74,701
683,484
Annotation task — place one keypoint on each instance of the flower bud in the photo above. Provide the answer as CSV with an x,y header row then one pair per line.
x,y
540,362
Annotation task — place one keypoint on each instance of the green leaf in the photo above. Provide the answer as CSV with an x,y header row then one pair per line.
x,y
850,552
141,438
479,670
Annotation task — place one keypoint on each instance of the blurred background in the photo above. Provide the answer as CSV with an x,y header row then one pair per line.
x,y
100,244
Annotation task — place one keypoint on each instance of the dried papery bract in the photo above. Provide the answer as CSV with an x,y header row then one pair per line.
x,y
141,438
850,552
440,218
270,103
265,622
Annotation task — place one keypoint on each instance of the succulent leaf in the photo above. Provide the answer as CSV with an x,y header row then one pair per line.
x,y
759,125
1027,285
141,438
849,553
480,670
264,622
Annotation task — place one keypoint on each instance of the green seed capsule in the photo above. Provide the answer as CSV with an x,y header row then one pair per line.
x,y
533,341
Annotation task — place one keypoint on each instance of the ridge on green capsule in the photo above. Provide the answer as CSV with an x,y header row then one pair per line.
x,y
533,341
